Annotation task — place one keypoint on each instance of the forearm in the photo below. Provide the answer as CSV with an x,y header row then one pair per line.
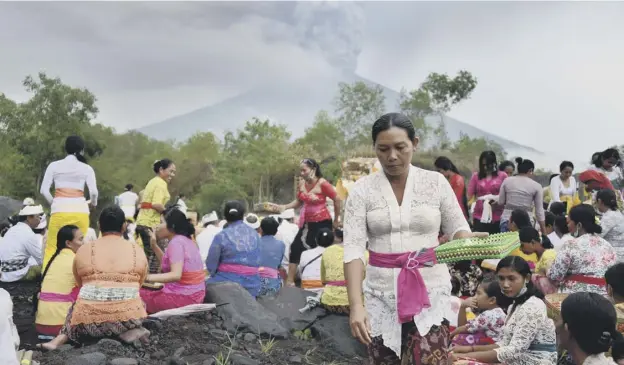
x,y
169,277
354,275
157,251
458,330
461,318
158,207
487,356
338,210
462,234
293,204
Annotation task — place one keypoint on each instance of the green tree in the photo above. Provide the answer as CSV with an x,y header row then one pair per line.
x,y
37,128
416,104
324,137
358,106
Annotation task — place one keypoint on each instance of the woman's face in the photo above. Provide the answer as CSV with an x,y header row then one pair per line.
x,y
162,231
446,173
394,150
571,225
608,163
510,281
483,300
591,185
563,335
168,173
566,173
77,242
509,170
306,172
601,206
527,248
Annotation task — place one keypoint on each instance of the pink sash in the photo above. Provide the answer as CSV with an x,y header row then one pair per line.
x,y
61,298
412,295
238,269
268,272
336,283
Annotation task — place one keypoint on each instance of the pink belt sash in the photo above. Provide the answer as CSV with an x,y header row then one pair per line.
x,y
268,272
412,295
336,283
61,298
238,269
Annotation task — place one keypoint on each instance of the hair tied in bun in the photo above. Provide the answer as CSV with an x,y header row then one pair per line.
x,y
233,210
606,338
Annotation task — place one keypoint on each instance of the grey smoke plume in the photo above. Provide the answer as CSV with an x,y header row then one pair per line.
x,y
333,28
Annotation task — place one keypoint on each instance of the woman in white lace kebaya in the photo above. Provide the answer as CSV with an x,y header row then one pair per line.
x,y
399,211
586,329
529,335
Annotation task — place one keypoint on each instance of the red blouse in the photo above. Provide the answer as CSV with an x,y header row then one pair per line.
x,y
459,186
314,201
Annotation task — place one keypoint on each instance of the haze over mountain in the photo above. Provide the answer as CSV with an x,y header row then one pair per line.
x,y
295,105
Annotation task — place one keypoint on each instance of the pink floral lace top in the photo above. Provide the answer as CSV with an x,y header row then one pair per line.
x,y
587,255
491,322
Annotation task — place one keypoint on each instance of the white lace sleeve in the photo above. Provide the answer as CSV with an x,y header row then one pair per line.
x,y
453,219
524,333
355,229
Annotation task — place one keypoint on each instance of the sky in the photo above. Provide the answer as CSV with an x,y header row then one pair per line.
x,y
549,73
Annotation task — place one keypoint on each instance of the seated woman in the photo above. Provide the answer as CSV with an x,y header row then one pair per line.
x,y
310,264
58,290
334,298
529,335
582,262
615,290
9,338
587,329
271,253
235,252
611,221
532,243
109,272
183,270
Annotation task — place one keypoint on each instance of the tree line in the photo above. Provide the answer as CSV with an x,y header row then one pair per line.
x,y
255,163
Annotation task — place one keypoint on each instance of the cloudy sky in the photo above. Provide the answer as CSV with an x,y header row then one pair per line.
x,y
550,74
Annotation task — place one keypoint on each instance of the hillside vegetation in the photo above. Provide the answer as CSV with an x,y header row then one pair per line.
x,y
255,163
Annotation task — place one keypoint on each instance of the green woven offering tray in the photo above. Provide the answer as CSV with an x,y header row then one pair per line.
x,y
495,246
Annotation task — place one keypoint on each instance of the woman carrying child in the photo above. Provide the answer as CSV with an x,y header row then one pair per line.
x,y
532,243
529,335
487,327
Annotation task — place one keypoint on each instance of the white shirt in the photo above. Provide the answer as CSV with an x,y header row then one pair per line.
x,y
90,236
286,233
127,201
9,338
69,173
20,243
182,206
308,269
205,238
557,188
373,215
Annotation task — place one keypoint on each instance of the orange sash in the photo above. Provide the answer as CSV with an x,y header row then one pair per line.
x,y
68,193
311,284
192,277
146,205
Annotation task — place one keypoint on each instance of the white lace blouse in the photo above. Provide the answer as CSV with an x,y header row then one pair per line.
x,y
373,215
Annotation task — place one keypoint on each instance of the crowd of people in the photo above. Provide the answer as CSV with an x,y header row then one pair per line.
x,y
374,262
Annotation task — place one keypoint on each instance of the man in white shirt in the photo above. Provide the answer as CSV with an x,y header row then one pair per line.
x,y
286,233
21,254
9,338
207,235
128,201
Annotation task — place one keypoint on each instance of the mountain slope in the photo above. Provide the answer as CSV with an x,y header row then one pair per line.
x,y
295,106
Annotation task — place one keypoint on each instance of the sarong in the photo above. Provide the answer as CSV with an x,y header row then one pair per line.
x,y
58,221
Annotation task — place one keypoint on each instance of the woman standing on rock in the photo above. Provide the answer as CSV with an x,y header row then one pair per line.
x,y
399,212
69,206
313,193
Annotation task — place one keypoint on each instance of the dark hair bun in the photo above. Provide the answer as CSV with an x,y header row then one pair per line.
x,y
519,160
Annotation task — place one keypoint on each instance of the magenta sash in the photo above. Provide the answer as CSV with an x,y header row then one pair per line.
x,y
336,283
412,295
61,298
268,272
238,269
